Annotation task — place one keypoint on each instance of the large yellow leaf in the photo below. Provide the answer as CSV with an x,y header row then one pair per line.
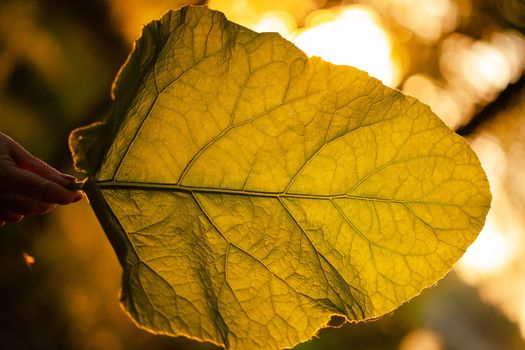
x,y
251,192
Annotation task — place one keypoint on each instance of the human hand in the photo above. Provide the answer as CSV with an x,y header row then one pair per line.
x,y
29,186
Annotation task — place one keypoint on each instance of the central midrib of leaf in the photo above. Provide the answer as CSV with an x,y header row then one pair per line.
x,y
111,184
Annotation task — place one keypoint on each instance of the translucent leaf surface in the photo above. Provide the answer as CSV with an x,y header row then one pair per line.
x,y
251,192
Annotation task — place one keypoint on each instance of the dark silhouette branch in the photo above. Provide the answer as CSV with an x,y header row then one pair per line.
x,y
490,110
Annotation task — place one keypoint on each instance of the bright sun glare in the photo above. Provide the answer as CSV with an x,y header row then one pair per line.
x,y
352,35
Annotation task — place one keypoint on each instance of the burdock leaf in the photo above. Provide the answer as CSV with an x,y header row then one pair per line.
x,y
251,193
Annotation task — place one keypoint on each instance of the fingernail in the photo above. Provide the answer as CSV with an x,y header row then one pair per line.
x,y
78,197
68,177
74,186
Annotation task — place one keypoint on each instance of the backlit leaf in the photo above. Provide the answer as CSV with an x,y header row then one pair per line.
x,y
251,192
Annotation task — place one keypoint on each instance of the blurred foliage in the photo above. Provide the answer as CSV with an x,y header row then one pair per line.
x,y
57,62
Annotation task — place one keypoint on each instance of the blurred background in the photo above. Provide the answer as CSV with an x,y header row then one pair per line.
x,y
59,278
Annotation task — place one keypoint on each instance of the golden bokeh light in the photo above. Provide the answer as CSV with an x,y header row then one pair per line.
x,y
429,20
483,66
493,249
281,22
421,339
491,252
474,73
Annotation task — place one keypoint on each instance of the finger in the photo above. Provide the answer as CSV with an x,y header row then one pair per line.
x,y
2,223
11,217
27,161
24,205
35,186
